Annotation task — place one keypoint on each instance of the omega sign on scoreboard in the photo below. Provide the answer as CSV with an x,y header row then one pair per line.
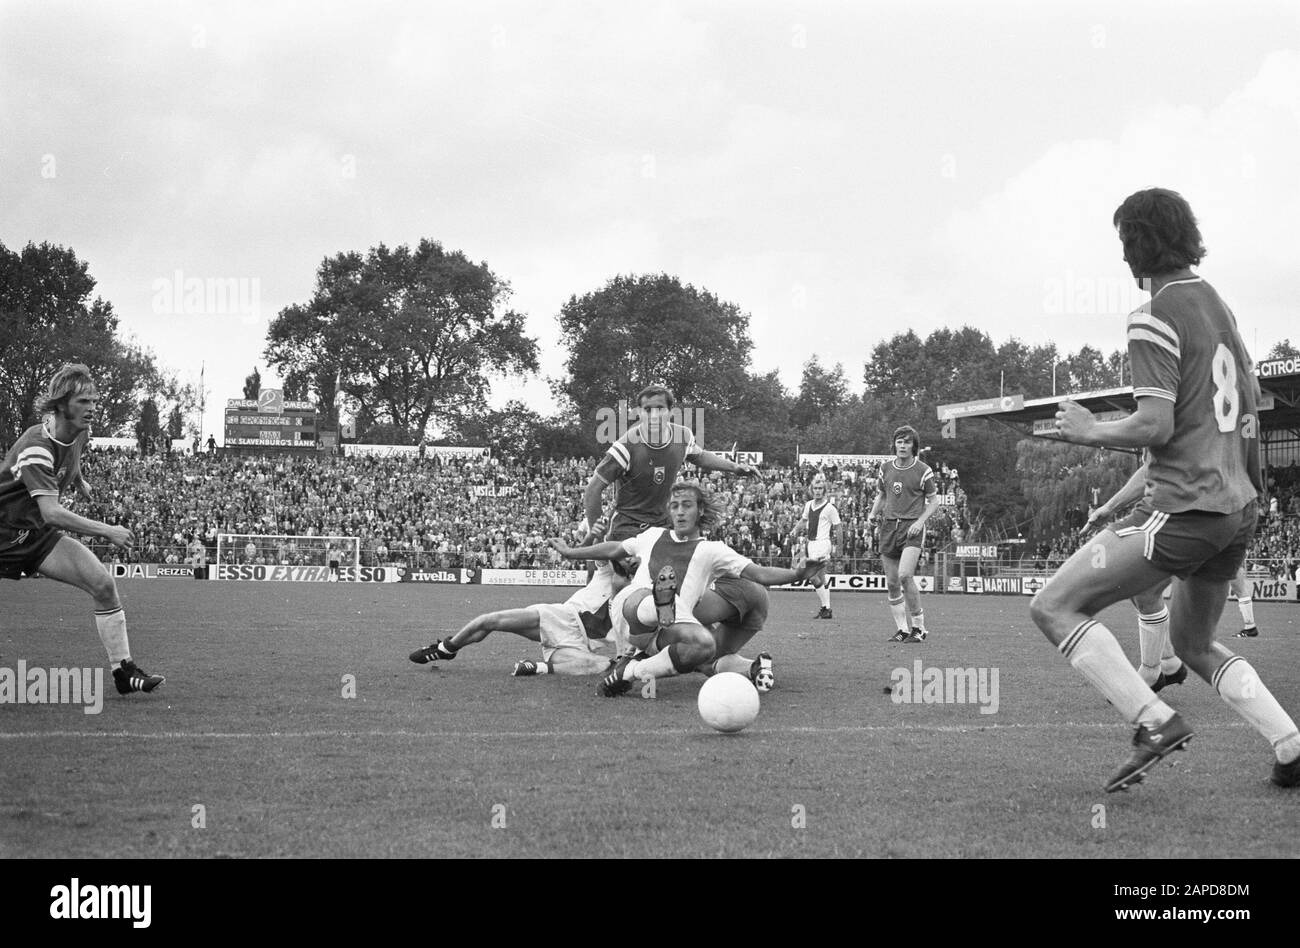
x,y
270,421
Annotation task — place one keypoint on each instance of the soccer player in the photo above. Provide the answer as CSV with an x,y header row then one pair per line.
x,y
908,498
643,466
572,634
44,462
1196,414
1158,665
676,567
824,537
1241,590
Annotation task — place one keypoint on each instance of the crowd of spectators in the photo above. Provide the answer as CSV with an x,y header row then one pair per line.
x,y
436,513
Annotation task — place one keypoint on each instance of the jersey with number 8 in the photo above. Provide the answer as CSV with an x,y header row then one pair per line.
x,y
1184,347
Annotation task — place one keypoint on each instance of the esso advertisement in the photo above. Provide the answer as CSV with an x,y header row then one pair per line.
x,y
309,574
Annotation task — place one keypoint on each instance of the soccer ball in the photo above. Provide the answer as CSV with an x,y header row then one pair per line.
x,y
728,702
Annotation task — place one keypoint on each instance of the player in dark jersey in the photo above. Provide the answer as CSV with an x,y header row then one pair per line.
x,y
573,634
643,465
1196,413
44,462
665,626
908,498
1158,665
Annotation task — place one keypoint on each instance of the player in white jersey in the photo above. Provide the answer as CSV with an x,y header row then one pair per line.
x,y
822,522
676,567
576,635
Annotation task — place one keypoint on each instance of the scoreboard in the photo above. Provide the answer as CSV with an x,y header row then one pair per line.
x,y
270,422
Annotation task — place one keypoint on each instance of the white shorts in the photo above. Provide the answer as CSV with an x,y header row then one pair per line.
x,y
561,628
819,549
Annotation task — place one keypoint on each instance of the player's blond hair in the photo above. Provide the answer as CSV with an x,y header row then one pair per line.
x,y
71,380
710,511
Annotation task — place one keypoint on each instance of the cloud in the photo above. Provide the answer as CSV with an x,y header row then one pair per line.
x,y
1047,231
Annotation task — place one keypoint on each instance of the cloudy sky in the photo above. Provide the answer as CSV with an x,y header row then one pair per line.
x,y
841,171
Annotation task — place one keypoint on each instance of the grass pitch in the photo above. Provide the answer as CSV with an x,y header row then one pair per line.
x,y
252,737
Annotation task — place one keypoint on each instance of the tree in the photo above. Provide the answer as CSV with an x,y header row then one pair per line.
x,y
253,385
147,429
175,424
48,317
1283,350
636,330
757,419
407,335
1058,478
821,392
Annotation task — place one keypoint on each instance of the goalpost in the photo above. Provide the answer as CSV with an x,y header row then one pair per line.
x,y
286,549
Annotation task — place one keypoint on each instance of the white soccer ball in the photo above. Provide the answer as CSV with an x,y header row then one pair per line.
x,y
728,702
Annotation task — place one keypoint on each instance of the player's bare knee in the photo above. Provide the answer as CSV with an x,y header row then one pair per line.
x,y
1041,609
102,588
895,589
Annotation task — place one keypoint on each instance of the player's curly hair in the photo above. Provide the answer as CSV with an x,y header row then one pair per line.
x,y
710,509
71,380
650,391
1159,232
910,432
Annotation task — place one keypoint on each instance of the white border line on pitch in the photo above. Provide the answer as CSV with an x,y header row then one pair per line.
x,y
481,735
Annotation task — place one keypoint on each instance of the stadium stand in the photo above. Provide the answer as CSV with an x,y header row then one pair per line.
x,y
464,513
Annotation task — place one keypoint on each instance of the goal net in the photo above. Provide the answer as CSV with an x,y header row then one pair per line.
x,y
285,550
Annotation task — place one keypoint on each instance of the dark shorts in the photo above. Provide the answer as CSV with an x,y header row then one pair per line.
x,y
624,528
1193,543
23,551
894,539
748,598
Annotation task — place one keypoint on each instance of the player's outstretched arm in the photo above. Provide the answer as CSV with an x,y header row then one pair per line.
x,y
592,505
610,550
1128,494
56,515
1149,427
780,576
711,462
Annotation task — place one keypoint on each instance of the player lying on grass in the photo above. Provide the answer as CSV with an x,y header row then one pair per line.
x,y
676,566
1197,398
44,462
573,634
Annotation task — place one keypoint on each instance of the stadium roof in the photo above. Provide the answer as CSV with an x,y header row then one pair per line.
x,y
1280,411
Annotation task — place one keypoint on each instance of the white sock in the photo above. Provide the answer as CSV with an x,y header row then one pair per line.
x,y
1153,632
659,665
1237,684
111,625
899,608
824,596
1094,653
918,620
1247,606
